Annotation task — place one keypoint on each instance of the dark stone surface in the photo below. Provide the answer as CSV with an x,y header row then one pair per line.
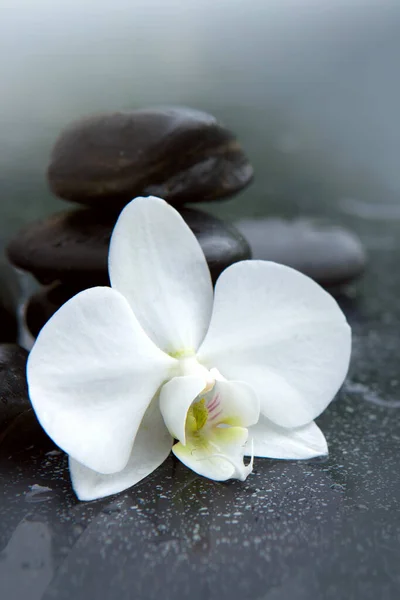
x,y
8,304
13,389
70,244
179,154
19,427
329,254
73,245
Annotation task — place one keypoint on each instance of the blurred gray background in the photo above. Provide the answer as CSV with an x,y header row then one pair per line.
x,y
311,87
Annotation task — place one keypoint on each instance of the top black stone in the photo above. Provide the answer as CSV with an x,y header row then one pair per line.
x,y
179,154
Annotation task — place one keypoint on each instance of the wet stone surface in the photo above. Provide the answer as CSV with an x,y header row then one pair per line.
x,y
329,254
179,154
8,304
72,246
19,427
13,389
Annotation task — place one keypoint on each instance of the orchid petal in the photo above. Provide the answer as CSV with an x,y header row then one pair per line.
x,y
236,404
281,333
218,456
272,441
156,262
176,396
92,374
152,445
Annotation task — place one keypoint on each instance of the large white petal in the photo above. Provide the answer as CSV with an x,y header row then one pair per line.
x,y
156,262
219,456
176,396
271,441
152,445
92,374
280,332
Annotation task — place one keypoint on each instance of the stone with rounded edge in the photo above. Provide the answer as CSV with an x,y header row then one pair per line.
x,y
329,254
176,153
72,246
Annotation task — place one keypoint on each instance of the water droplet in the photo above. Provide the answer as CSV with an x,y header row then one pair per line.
x,y
39,493
111,508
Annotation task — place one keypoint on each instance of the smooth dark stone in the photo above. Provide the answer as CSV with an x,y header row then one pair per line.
x,y
73,246
13,387
24,432
179,154
8,305
329,254
19,427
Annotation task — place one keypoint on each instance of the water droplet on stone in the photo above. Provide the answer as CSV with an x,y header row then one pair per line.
x,y
39,493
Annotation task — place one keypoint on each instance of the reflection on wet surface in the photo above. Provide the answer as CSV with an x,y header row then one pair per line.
x,y
26,566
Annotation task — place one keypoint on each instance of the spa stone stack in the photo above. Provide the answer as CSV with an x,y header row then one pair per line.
x,y
102,162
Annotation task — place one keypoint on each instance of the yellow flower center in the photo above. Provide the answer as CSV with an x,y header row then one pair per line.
x,y
197,416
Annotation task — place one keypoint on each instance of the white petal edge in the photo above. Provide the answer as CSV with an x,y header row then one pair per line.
x,y
271,441
281,333
176,396
152,445
156,262
92,374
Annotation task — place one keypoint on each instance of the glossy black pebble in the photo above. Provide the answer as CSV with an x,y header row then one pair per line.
x,y
330,255
176,153
73,246
13,388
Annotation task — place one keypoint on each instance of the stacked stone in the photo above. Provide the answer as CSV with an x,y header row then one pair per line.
x,y
102,162
181,155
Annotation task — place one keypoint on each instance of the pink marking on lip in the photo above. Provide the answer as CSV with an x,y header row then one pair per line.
x,y
214,403
213,406
217,415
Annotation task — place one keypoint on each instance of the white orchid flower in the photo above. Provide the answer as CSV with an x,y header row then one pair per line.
x,y
118,373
